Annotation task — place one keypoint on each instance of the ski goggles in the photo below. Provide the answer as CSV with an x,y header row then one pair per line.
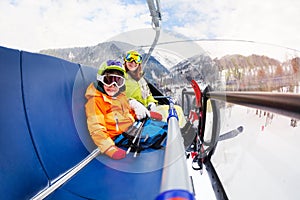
x,y
133,57
110,79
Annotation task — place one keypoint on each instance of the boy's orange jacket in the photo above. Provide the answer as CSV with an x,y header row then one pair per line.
x,y
107,117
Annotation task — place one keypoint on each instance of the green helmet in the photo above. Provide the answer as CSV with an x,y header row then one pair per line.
x,y
110,64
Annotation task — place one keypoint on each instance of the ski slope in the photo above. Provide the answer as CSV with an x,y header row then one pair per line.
x,y
263,161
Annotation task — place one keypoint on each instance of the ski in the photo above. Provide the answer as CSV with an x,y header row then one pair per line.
x,y
197,114
197,92
188,131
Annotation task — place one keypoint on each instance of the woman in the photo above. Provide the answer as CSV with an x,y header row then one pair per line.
x,y
139,93
137,89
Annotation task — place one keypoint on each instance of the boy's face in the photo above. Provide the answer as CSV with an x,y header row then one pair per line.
x,y
112,89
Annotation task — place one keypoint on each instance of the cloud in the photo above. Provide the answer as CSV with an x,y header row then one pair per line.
x,y
34,25
264,21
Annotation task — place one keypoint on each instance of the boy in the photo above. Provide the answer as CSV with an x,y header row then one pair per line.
x,y
107,108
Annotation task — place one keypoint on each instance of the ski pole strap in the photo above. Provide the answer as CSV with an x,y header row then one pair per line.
x,y
197,163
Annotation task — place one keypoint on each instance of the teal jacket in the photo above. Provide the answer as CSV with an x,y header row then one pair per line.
x,y
139,91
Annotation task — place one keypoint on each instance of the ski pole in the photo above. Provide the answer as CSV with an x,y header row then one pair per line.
x,y
139,129
132,130
140,137
137,145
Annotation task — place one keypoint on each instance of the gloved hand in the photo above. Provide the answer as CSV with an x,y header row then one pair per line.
x,y
156,115
151,106
115,152
139,109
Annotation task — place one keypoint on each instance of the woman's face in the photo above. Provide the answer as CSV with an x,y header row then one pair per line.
x,y
132,66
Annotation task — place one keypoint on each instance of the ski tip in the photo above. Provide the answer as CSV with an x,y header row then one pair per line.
x,y
240,129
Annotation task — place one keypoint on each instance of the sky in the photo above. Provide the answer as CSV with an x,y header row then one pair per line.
x,y
32,25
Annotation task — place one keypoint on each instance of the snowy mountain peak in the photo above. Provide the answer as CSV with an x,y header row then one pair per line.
x,y
167,59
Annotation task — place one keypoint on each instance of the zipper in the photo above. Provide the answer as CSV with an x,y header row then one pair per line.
x,y
117,122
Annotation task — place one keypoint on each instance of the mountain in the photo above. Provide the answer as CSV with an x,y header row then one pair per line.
x,y
93,56
245,62
235,72
166,59
199,67
258,72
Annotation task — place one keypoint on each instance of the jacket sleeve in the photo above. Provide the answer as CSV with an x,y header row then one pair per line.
x,y
97,126
151,99
140,91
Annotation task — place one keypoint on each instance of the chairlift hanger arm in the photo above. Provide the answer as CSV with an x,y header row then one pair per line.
x,y
154,9
155,12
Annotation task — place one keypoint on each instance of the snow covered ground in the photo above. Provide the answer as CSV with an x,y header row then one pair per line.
x,y
202,185
261,163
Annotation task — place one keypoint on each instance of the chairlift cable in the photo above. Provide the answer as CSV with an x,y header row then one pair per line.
x,y
223,40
